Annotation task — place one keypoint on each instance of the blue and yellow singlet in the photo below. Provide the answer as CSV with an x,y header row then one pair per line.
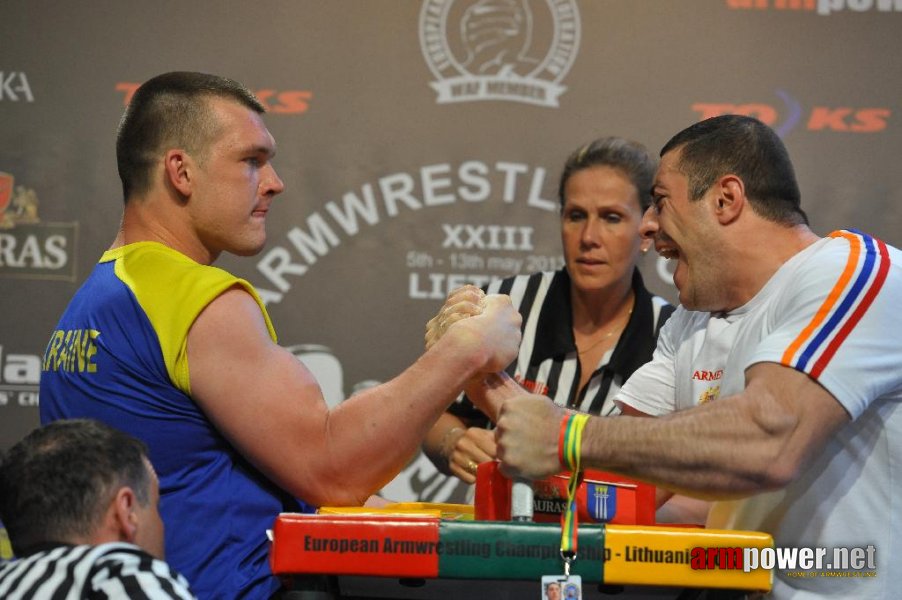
x,y
119,355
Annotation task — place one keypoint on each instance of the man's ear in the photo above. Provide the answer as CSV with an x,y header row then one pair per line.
x,y
126,520
178,168
730,200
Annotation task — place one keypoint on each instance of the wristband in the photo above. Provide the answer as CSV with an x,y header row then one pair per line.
x,y
565,421
570,440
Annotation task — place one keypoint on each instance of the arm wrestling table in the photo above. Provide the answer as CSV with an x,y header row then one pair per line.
x,y
457,551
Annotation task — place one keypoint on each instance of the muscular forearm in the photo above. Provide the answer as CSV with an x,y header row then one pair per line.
x,y
756,441
709,450
270,408
371,436
729,448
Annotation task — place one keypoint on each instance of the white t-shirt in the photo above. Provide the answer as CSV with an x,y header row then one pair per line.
x,y
833,311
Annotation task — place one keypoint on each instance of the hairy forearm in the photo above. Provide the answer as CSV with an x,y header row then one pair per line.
x,y
758,440
720,450
736,446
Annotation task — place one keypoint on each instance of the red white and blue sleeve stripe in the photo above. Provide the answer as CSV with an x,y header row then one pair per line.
x,y
852,294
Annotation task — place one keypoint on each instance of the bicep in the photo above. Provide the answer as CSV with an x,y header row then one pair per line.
x,y
258,395
793,411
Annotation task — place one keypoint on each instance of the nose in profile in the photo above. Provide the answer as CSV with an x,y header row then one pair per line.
x,y
649,227
274,184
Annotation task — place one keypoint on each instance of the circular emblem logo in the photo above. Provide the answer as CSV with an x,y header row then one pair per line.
x,y
516,50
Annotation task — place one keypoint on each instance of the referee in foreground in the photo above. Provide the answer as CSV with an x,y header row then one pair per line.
x,y
80,502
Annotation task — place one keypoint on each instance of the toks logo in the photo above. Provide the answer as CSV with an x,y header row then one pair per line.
x,y
288,102
818,118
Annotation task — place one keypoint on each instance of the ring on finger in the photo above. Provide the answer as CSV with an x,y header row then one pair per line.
x,y
471,466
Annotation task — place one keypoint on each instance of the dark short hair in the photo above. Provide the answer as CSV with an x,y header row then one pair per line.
x,y
57,482
746,147
631,158
170,111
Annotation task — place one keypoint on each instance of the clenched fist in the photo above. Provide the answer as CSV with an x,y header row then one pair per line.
x,y
461,303
527,437
487,324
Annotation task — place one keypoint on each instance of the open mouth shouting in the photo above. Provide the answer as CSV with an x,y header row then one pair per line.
x,y
666,248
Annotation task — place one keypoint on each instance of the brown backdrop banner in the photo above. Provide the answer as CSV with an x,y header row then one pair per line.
x,y
414,161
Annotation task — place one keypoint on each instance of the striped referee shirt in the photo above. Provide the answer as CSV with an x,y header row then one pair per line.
x,y
548,362
114,570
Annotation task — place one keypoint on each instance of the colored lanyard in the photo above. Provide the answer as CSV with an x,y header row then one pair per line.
x,y
569,447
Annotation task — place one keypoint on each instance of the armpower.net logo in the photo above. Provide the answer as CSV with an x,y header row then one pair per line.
x,y
822,8
794,562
